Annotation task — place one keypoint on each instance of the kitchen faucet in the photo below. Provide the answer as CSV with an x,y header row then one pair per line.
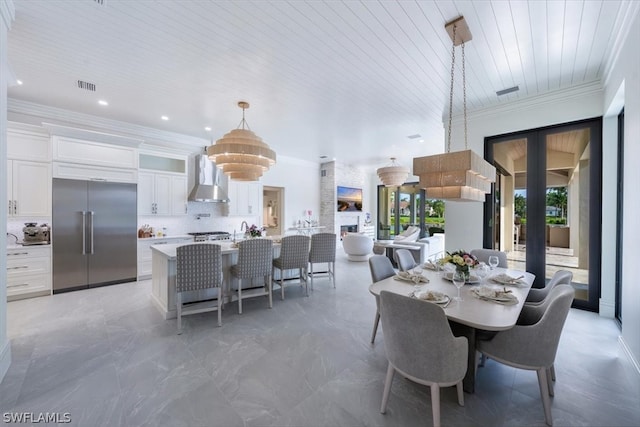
x,y
245,225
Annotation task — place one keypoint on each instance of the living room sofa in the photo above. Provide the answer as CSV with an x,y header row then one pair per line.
x,y
427,248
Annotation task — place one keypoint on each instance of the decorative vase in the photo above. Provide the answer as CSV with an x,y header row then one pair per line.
x,y
464,269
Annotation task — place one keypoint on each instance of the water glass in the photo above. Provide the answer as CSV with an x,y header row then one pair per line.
x,y
482,271
493,261
458,281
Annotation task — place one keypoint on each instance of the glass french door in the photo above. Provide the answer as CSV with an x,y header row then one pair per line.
x,y
545,208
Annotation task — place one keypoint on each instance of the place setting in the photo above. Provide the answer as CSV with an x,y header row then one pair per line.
x,y
507,280
413,276
421,293
499,296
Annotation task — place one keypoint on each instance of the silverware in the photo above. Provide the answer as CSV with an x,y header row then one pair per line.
x,y
448,302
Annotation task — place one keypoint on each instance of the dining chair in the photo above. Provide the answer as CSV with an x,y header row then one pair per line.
x,y
560,277
198,267
294,254
534,346
323,250
426,353
404,259
254,260
381,268
483,256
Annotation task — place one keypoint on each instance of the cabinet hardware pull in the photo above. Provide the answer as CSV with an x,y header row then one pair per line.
x,y
15,207
10,207
84,232
91,214
18,267
18,285
18,253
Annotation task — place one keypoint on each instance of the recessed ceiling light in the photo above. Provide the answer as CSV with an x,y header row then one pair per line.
x,y
103,102
19,82
208,129
422,140
165,118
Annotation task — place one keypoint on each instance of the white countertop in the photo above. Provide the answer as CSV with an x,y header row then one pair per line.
x,y
169,250
177,236
18,246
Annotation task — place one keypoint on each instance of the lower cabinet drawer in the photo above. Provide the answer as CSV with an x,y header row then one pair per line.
x,y
20,266
28,284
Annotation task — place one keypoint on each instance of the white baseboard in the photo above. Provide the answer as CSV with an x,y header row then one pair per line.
x,y
5,358
629,354
607,309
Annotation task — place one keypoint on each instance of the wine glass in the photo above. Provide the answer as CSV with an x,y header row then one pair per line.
x,y
458,280
493,261
417,270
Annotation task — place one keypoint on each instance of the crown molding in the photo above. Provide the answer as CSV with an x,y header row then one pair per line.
x,y
8,12
536,101
624,21
37,114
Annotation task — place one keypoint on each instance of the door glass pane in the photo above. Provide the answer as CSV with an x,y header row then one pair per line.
x,y
567,206
386,214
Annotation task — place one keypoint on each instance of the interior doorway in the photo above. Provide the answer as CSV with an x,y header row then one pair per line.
x,y
272,210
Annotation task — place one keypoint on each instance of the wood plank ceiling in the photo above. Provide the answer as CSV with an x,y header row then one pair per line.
x,y
350,80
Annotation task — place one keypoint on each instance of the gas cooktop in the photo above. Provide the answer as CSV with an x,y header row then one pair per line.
x,y
208,233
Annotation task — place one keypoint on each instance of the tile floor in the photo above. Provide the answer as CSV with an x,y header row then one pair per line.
x,y
107,357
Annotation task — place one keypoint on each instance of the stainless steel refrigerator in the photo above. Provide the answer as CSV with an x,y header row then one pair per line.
x,y
94,234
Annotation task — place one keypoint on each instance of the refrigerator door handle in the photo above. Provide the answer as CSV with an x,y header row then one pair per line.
x,y
91,214
84,232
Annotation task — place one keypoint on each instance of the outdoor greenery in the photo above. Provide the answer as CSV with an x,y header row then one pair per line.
x,y
556,197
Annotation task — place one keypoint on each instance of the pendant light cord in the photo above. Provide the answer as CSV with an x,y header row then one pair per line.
x,y
464,93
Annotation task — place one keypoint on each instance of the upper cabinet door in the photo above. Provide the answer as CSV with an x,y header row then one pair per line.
x,y
163,194
31,192
146,193
179,195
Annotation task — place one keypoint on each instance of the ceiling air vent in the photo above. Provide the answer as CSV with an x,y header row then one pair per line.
x,y
414,136
87,86
507,90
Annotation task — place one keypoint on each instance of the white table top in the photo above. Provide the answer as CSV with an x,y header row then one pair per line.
x,y
471,311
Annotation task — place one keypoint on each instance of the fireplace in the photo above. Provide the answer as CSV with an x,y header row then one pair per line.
x,y
344,229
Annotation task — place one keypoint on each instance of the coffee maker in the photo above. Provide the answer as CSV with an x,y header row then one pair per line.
x,y
36,234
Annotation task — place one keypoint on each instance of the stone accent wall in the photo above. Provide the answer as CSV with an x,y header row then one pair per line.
x,y
332,175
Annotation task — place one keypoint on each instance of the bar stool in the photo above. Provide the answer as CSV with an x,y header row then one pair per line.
x,y
323,249
254,260
294,253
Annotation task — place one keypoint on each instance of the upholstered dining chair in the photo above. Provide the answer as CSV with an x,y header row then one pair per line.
x,y
560,277
294,254
323,250
381,268
198,267
484,254
254,260
534,346
426,353
404,259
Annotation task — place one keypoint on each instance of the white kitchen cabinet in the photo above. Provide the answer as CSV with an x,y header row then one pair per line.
x,y
245,198
71,150
162,194
28,189
28,272
144,252
25,142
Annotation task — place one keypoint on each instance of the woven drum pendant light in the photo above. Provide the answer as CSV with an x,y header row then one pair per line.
x,y
393,175
463,175
241,154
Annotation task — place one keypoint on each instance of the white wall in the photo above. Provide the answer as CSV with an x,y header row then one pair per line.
x,y
301,182
6,18
622,87
464,226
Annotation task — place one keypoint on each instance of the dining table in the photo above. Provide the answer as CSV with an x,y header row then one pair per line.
x,y
475,312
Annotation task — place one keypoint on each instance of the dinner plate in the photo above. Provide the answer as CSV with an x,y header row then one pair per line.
x,y
505,279
472,279
491,295
410,279
438,297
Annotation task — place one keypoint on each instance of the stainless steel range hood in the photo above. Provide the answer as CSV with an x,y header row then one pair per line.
x,y
211,182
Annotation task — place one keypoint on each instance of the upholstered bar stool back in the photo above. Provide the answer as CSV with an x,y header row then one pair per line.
x,y
323,249
294,254
198,267
254,260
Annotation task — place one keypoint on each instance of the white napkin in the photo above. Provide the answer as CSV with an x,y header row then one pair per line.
x,y
500,296
505,279
410,277
433,296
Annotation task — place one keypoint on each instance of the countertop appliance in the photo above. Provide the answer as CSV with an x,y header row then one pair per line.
x,y
35,234
95,241
203,236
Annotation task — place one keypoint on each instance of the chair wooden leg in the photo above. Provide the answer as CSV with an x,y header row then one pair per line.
x,y
553,372
270,290
311,274
460,393
179,311
387,388
239,296
282,285
550,383
303,271
435,404
544,394
220,301
375,326
332,269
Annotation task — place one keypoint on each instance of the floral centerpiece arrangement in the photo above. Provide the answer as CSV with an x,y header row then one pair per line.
x,y
461,260
255,231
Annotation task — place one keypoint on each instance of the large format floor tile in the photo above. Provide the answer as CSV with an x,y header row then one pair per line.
x,y
107,357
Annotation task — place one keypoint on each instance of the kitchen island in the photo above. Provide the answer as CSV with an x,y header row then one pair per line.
x,y
163,275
